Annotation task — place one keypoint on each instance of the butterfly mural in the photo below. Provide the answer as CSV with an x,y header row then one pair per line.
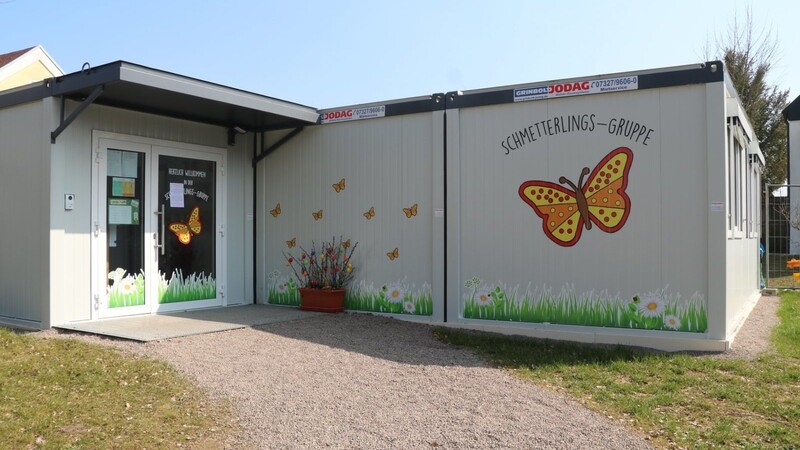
x,y
276,211
394,254
184,231
292,242
370,214
410,212
339,187
317,215
346,244
601,200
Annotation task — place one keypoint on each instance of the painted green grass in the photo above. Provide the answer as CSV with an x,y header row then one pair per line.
x,y
361,296
588,309
66,394
677,400
125,290
395,298
186,289
282,291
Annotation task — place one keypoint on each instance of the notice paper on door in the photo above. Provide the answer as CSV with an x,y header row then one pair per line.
x,y
176,195
123,187
123,211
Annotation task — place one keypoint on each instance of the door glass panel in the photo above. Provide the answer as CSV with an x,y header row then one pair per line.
x,y
124,238
187,267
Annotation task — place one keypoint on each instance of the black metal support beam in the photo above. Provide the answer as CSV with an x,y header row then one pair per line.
x,y
65,122
258,155
265,152
255,216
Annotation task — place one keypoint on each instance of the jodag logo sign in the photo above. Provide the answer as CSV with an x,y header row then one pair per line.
x,y
343,115
576,88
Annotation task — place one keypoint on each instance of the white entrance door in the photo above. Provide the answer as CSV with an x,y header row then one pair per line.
x,y
158,241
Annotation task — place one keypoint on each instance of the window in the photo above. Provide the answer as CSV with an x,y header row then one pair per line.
x,y
736,180
753,197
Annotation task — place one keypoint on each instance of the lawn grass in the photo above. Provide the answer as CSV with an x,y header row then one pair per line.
x,y
66,394
787,282
676,400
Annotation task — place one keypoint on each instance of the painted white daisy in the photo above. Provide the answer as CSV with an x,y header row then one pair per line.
x,y
126,286
281,286
672,322
483,297
651,305
394,293
408,306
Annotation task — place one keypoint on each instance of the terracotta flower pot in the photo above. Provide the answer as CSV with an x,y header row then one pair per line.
x,y
322,300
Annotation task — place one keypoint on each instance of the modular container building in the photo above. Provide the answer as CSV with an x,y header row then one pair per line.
x,y
618,209
792,116
127,190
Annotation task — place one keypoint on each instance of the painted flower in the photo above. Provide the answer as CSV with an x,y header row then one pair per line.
x,y
394,293
672,322
126,286
793,264
409,307
281,286
651,305
117,274
483,297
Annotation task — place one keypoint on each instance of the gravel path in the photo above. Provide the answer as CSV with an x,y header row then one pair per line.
x,y
364,382
753,338
361,381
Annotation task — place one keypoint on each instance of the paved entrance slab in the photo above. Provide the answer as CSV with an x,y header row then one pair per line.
x,y
155,327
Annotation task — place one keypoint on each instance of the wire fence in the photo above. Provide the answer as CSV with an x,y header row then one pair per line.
x,y
780,235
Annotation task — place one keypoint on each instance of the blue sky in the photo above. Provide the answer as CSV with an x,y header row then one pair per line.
x,y
327,54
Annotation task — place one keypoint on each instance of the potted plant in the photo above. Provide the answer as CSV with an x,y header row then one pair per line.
x,y
323,274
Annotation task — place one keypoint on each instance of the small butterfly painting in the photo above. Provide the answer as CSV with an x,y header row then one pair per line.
x,y
192,226
394,254
339,187
276,211
410,212
291,243
370,214
317,215
601,200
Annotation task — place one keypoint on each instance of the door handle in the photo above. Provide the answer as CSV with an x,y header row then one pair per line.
x,y
160,236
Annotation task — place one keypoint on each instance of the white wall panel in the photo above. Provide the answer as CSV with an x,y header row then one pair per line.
x,y
387,165
742,290
24,223
71,173
660,252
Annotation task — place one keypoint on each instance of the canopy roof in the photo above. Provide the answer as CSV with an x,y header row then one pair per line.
x,y
130,86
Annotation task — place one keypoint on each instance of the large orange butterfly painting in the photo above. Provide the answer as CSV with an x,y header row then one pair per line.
x,y
600,200
184,231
